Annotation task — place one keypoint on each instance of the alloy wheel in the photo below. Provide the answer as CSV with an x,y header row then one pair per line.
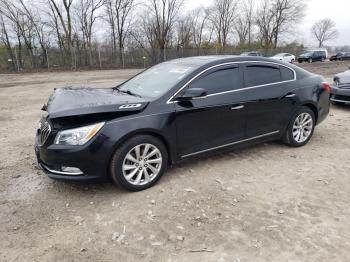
x,y
302,127
142,164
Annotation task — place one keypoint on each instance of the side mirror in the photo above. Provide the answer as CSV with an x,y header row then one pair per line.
x,y
192,93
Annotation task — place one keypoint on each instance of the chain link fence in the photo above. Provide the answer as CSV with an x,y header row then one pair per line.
x,y
106,58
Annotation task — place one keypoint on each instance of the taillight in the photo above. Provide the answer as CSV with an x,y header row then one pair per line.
x,y
327,87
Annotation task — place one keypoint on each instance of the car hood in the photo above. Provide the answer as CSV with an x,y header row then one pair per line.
x,y
69,101
343,79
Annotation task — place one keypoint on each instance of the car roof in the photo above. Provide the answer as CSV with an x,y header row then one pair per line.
x,y
199,61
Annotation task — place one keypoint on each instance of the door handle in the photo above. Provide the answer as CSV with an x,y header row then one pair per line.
x,y
237,107
290,95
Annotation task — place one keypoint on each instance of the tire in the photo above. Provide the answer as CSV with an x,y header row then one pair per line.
x,y
307,131
292,61
131,174
310,60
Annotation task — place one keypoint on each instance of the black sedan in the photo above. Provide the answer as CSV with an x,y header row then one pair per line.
x,y
340,56
341,88
174,111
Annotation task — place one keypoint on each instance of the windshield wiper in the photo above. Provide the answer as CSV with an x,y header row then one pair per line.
x,y
129,92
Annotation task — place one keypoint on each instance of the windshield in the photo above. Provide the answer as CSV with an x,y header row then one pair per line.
x,y
280,54
307,54
157,80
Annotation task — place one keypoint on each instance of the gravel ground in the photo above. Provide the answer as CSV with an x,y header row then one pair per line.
x,y
264,203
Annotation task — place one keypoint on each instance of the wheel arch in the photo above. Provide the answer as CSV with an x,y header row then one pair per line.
x,y
313,108
150,132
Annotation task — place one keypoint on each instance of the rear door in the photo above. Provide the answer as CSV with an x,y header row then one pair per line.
x,y
215,120
270,98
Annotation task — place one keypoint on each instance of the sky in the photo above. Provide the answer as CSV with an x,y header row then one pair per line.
x,y
337,10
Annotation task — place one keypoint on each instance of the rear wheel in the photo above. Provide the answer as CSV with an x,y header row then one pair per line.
x,y
300,128
139,163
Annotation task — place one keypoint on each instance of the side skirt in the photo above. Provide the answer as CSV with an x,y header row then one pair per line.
x,y
231,144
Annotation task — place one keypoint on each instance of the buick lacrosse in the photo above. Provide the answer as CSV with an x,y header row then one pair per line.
x,y
174,111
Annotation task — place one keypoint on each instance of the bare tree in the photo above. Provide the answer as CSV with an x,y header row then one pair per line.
x,y
64,21
286,14
275,18
119,17
163,14
184,32
5,40
23,27
244,22
86,13
222,16
199,26
324,30
38,24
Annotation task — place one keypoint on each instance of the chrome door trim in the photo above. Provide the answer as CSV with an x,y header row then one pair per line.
x,y
231,144
169,101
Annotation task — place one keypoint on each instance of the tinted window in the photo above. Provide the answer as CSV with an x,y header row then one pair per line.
x,y
219,81
286,73
261,74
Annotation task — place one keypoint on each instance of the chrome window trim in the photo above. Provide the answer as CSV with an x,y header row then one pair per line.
x,y
230,144
169,101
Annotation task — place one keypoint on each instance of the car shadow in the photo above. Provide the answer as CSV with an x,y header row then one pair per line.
x,y
106,187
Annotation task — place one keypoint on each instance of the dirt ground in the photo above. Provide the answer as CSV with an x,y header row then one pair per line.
x,y
264,203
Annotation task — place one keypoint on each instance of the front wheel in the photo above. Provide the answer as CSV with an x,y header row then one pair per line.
x,y
310,60
139,163
300,128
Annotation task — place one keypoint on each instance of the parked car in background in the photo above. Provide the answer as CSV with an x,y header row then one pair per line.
x,y
312,56
252,53
285,57
340,93
340,56
174,111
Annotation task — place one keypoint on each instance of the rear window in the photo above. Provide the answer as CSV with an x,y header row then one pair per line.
x,y
286,74
255,75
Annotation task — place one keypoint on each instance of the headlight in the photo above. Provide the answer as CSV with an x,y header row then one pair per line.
x,y
77,136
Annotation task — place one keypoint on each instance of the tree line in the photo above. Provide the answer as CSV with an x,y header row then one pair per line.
x,y
96,33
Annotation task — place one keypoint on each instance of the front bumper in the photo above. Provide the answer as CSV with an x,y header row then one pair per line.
x,y
91,160
340,95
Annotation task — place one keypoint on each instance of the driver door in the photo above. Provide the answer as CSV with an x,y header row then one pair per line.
x,y
213,121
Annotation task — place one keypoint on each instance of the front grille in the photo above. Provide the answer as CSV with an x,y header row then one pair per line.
x,y
44,131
